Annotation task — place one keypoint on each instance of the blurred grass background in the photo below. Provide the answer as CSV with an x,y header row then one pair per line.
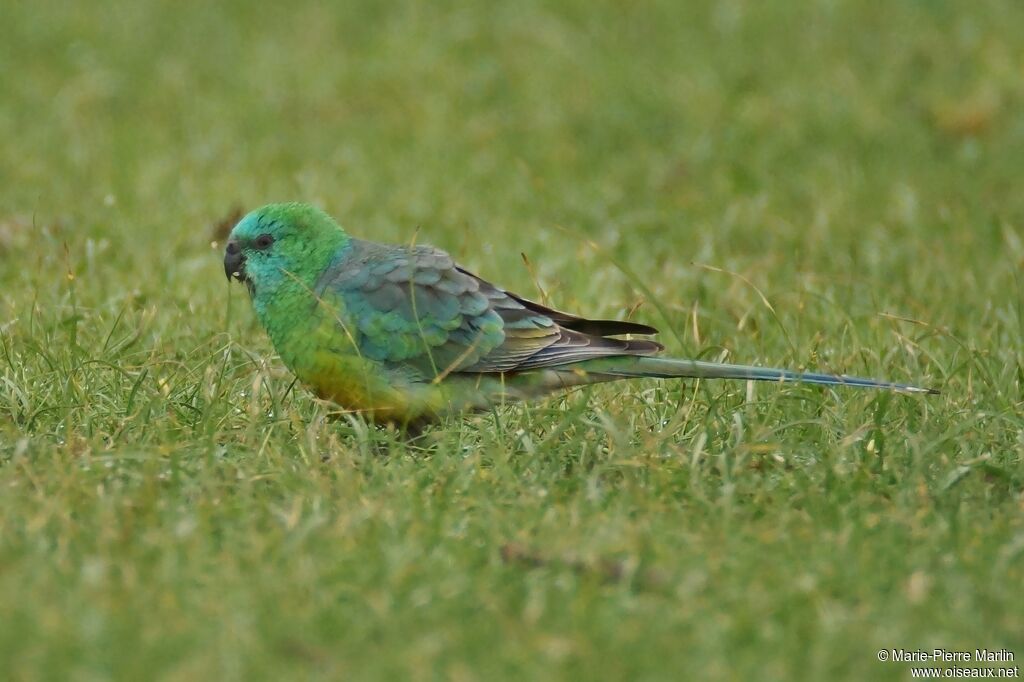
x,y
171,510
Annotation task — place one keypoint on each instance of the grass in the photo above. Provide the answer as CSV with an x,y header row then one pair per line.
x,y
829,185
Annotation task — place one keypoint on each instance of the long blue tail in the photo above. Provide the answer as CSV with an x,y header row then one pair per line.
x,y
668,368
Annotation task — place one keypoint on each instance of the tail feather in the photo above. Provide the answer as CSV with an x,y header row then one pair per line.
x,y
668,368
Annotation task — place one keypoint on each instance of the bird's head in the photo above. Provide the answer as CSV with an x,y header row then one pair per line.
x,y
282,242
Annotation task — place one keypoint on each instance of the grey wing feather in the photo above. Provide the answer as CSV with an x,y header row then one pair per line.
x,y
414,306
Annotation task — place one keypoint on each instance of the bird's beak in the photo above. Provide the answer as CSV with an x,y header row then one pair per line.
x,y
234,262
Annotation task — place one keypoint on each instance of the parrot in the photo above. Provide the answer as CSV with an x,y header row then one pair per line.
x,y
404,335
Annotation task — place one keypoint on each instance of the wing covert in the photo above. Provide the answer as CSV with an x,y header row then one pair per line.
x,y
414,306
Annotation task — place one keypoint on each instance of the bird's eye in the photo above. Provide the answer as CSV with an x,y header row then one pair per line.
x,y
264,241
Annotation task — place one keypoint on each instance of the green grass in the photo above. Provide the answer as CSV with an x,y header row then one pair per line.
x,y
171,508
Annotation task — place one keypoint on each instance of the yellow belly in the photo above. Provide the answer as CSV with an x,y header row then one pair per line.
x,y
360,385
326,359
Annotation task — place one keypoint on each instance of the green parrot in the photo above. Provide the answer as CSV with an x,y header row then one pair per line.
x,y
402,334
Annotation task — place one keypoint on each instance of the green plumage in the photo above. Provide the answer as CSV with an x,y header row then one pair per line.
x,y
404,334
